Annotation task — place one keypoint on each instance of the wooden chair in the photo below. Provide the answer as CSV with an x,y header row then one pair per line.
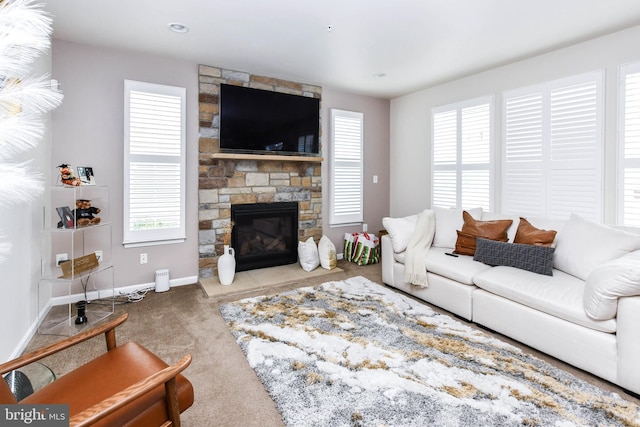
x,y
128,385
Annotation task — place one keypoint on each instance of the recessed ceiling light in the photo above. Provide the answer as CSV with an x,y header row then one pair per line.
x,y
379,75
178,28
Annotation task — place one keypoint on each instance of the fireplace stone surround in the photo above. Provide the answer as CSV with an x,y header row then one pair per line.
x,y
225,180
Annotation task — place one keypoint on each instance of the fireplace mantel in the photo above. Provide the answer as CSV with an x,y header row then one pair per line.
x,y
276,157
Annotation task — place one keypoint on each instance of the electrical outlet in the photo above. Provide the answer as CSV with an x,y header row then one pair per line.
x,y
143,258
60,258
365,227
99,255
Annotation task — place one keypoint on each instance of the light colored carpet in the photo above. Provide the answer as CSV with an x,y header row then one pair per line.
x,y
261,279
353,352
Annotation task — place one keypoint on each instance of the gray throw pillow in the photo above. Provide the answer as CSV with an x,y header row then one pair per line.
x,y
537,259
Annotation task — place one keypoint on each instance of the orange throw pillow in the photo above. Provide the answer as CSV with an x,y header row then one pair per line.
x,y
530,235
472,228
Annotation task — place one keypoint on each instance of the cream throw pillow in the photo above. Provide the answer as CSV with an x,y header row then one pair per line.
x,y
448,221
327,252
308,255
400,230
582,245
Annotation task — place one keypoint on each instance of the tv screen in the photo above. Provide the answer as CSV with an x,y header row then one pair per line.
x,y
261,121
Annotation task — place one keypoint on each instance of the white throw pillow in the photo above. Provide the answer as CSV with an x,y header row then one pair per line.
x,y
400,230
617,278
583,245
327,252
447,222
308,255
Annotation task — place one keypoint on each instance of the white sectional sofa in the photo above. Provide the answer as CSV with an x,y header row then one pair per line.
x,y
587,313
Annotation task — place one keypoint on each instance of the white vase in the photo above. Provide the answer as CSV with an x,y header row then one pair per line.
x,y
227,266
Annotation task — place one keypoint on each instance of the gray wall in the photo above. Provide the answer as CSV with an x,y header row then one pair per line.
x,y
88,131
411,114
376,160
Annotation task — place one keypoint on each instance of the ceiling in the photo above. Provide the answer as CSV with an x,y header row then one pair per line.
x,y
344,44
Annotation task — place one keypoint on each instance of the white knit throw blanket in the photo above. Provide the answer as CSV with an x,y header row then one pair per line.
x,y
415,260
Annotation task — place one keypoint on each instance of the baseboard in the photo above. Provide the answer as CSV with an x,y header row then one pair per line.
x,y
122,290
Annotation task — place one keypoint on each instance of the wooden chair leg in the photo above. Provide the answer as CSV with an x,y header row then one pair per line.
x,y
173,408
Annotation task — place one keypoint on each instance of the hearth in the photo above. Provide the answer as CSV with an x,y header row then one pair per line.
x,y
264,234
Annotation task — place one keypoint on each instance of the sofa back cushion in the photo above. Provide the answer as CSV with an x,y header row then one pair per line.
x,y
582,245
472,228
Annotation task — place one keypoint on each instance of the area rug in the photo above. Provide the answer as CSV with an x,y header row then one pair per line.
x,y
354,353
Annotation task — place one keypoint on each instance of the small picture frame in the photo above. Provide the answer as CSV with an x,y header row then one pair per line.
x,y
85,173
66,217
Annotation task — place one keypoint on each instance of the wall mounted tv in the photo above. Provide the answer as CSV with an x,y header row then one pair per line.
x,y
265,122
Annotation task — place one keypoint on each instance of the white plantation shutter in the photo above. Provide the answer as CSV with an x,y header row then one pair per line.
x,y
629,188
347,167
462,141
154,193
552,151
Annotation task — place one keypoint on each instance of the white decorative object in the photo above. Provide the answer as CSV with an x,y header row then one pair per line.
x,y
227,266
447,222
308,255
327,253
400,231
25,31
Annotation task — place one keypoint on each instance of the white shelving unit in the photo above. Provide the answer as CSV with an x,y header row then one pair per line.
x,y
63,235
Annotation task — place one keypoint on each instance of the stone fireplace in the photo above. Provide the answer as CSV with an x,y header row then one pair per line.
x,y
229,180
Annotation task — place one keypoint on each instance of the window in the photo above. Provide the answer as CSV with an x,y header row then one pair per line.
x,y
461,157
154,163
629,148
347,167
552,152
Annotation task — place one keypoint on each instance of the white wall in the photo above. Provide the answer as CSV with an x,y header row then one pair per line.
x,y
376,160
411,114
88,131
20,272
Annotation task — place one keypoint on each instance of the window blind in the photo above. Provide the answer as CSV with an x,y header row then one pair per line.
x,y
629,148
154,163
552,152
461,153
347,167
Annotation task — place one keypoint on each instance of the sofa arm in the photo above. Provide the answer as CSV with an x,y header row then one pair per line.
x,y
628,339
387,259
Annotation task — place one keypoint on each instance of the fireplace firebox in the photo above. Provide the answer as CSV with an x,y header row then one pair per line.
x,y
264,234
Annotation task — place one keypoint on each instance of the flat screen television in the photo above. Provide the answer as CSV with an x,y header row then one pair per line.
x,y
265,122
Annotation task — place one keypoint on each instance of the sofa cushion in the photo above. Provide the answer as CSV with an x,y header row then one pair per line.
x,y
447,222
560,295
511,231
472,228
583,245
461,268
606,283
529,235
537,259
400,230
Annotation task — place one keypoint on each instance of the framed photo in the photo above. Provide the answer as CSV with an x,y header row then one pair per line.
x,y
66,217
85,173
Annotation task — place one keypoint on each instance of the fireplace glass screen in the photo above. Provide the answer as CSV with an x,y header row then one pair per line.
x,y
265,234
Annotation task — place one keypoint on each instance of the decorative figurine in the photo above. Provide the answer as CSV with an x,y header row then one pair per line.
x,y
67,177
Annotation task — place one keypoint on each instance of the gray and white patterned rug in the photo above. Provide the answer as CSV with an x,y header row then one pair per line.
x,y
354,353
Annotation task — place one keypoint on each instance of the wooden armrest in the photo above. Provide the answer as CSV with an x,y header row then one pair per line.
x,y
131,393
108,329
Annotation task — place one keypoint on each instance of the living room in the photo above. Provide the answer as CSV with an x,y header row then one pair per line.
x,y
87,130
